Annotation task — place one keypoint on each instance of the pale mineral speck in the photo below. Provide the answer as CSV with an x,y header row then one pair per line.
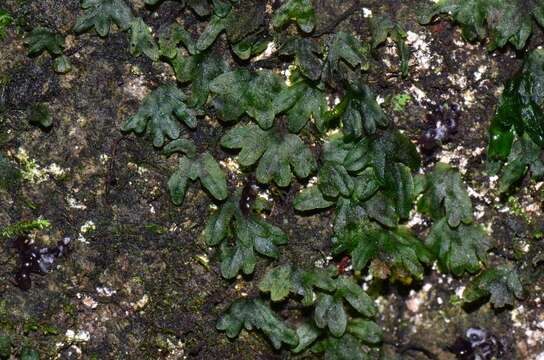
x,y
105,291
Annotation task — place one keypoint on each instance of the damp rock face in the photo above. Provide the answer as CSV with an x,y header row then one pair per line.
x,y
140,284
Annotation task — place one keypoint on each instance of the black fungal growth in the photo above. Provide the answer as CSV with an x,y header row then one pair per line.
x,y
442,125
477,344
36,260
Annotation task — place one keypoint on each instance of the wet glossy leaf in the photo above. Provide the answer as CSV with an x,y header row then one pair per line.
x,y
101,14
159,113
446,195
501,284
500,20
520,106
42,39
525,155
301,11
249,234
279,156
458,249
141,40
254,314
403,253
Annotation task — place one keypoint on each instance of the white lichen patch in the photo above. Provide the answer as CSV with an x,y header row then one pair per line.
x,y
73,203
33,172
88,227
421,54
323,262
367,12
80,336
105,291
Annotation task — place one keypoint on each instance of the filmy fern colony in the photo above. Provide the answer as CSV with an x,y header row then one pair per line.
x,y
368,171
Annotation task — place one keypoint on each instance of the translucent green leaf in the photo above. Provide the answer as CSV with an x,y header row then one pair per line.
x,y
458,249
277,282
141,40
101,14
335,180
301,11
311,198
212,177
182,146
199,70
400,250
238,92
169,39
501,284
279,156
353,293
248,233
159,114
380,152
254,314
28,353
179,181
446,195
42,39
204,168
307,333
